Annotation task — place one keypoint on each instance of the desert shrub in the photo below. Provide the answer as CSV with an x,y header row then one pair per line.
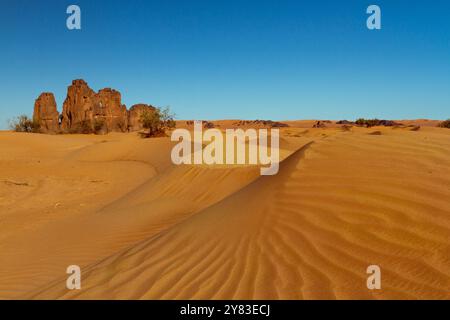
x,y
372,123
445,124
24,124
151,121
157,122
345,122
122,125
83,127
208,125
367,122
98,125
167,118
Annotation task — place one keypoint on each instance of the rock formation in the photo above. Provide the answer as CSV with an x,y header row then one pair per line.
x,y
134,115
78,106
46,113
85,111
109,111
102,111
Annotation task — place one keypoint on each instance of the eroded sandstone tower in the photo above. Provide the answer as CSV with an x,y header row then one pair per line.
x,y
45,113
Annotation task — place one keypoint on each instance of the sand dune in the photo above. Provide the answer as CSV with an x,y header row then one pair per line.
x,y
141,228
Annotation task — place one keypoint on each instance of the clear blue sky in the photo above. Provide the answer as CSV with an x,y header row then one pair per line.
x,y
233,59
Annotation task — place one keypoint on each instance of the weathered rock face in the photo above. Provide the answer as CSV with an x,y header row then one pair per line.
x,y
109,111
84,109
134,115
46,113
78,106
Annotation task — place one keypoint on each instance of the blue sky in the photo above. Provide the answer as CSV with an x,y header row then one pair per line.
x,y
221,59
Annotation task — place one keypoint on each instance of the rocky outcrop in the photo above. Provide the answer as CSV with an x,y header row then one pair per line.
x,y
78,107
134,116
109,111
84,109
87,111
46,114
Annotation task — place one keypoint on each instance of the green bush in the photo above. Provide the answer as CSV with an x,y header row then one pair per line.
x,y
157,121
24,124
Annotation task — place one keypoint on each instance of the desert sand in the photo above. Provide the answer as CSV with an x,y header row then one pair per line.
x,y
143,228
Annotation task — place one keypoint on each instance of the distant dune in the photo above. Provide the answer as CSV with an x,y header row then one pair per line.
x,y
143,228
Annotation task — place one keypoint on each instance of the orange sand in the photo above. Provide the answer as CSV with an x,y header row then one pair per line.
x,y
143,228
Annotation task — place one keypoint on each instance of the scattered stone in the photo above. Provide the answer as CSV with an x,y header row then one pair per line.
x,y
264,123
319,124
208,125
346,127
375,122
